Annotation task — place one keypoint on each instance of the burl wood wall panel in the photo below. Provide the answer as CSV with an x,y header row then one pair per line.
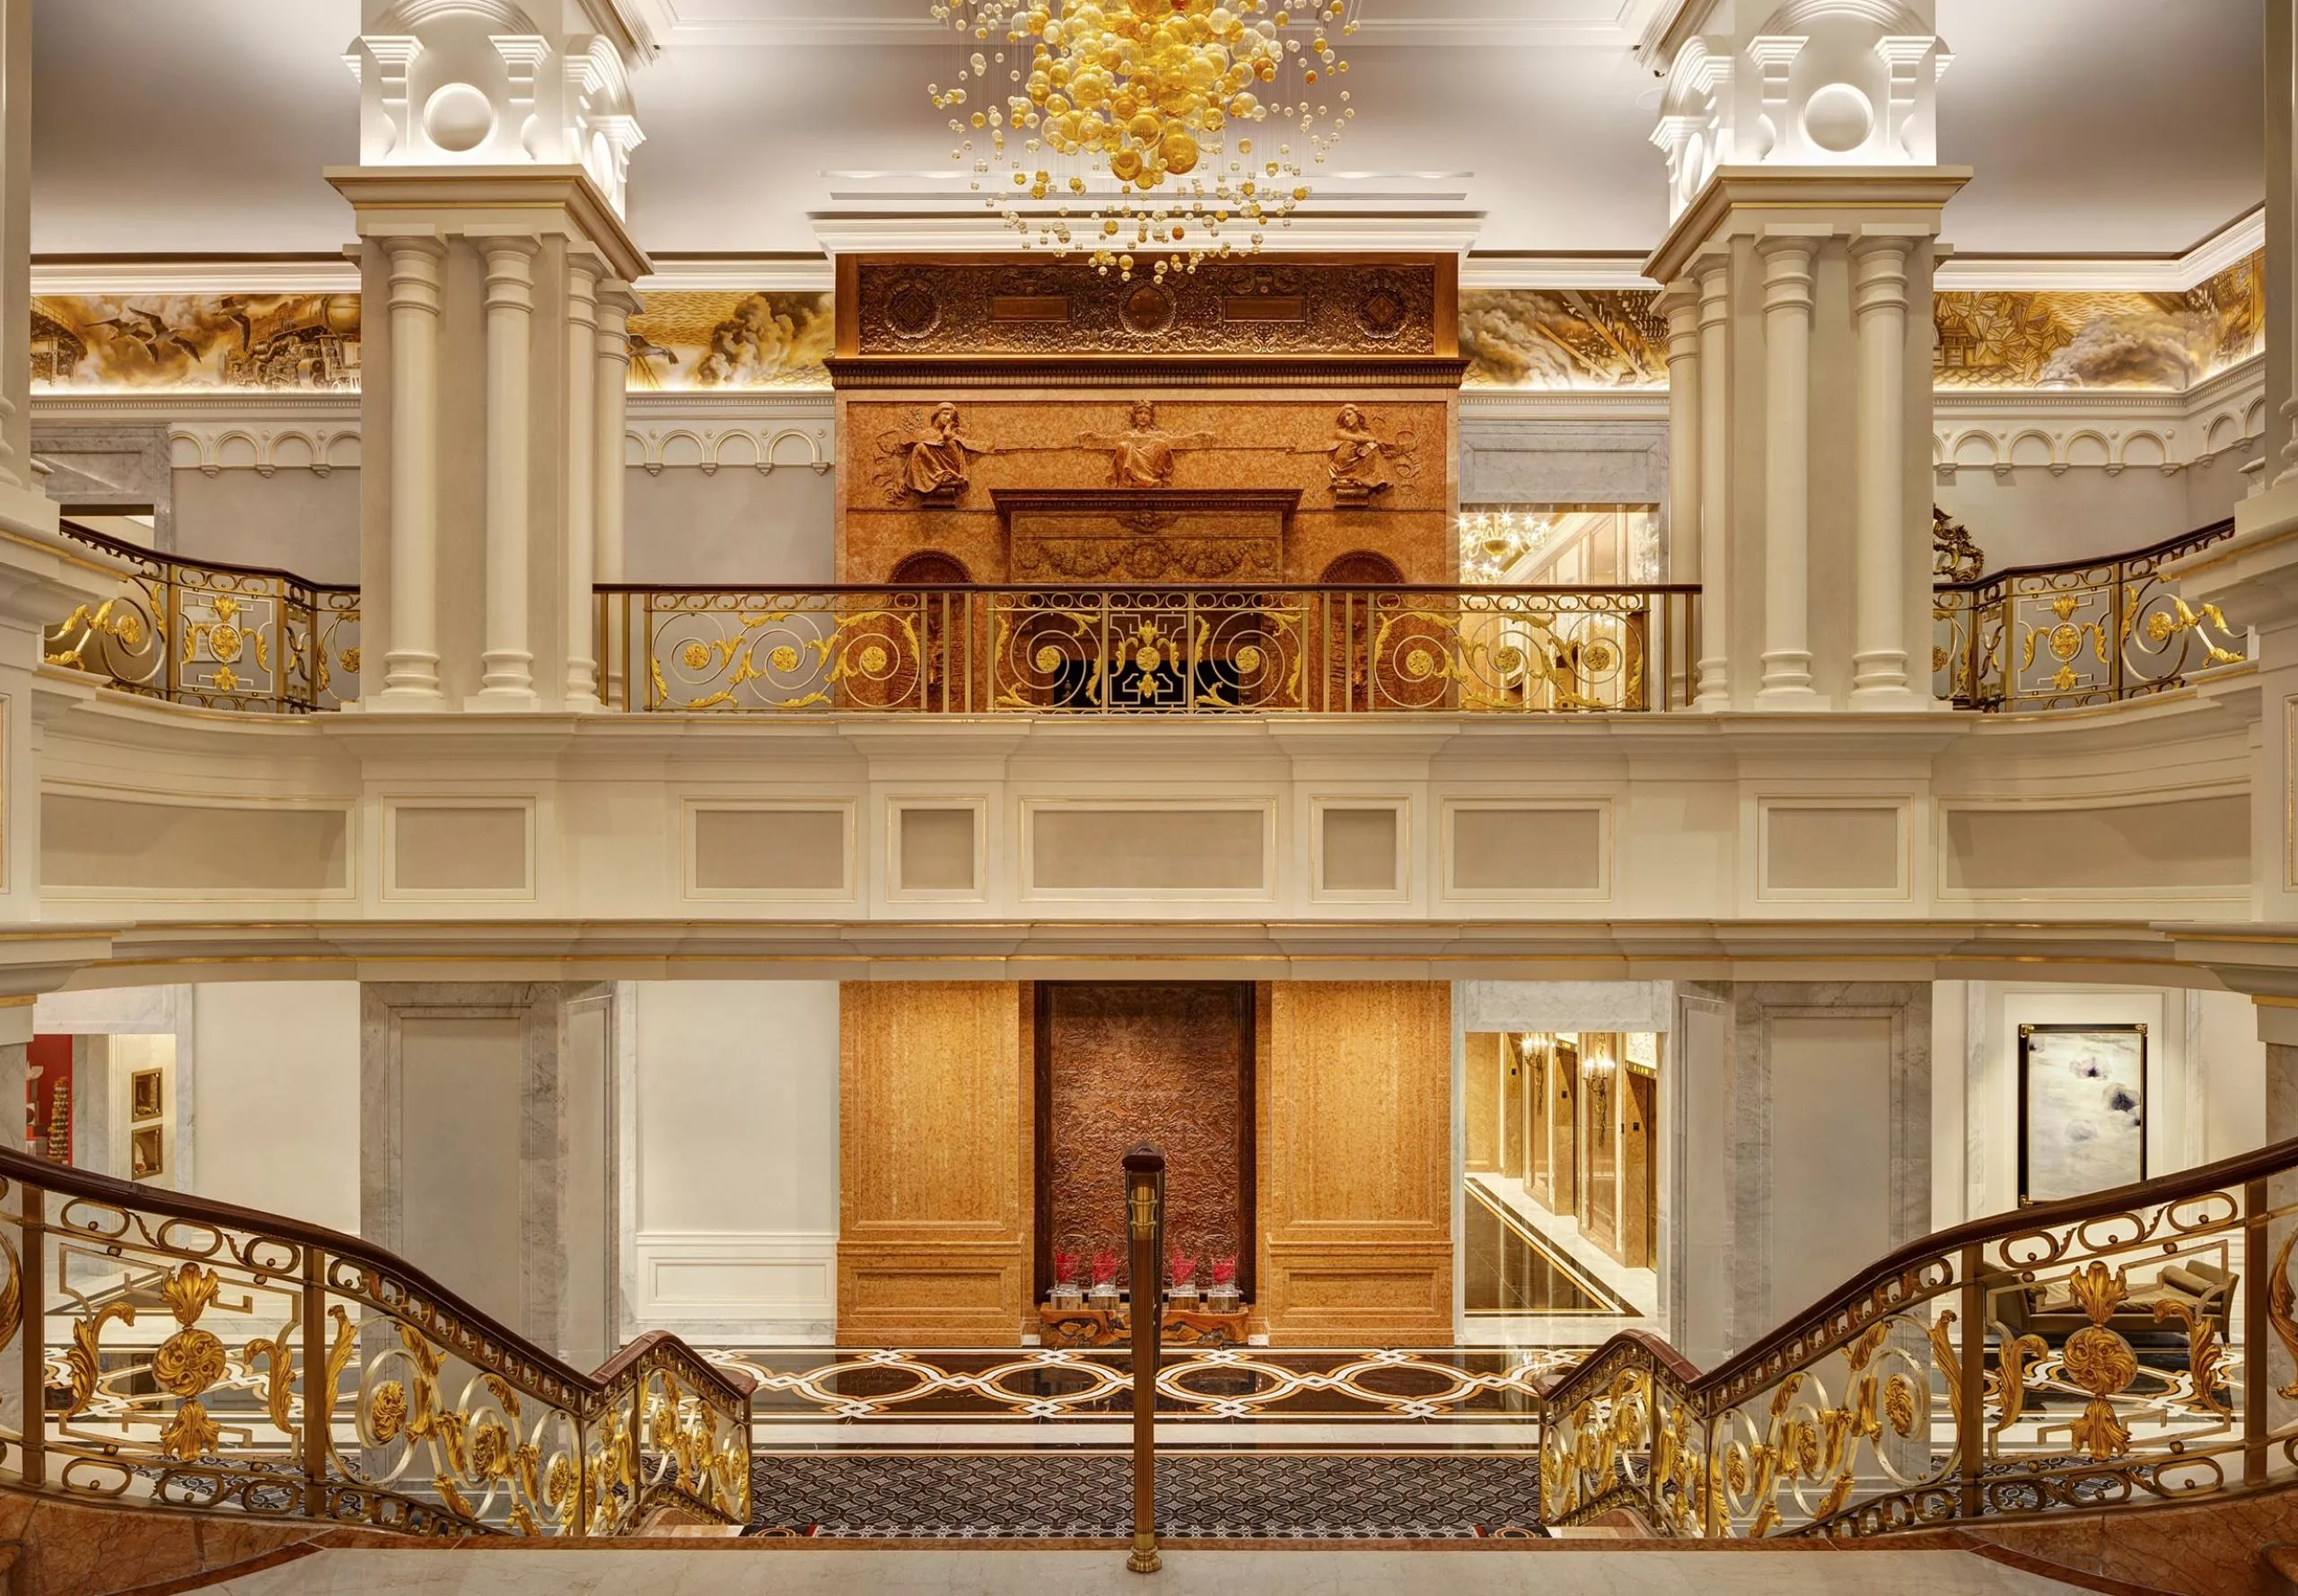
x,y
1355,1196
1124,1062
934,1163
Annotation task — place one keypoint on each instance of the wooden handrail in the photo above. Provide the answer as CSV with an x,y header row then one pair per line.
x,y
18,1168
119,549
2276,1159
2198,537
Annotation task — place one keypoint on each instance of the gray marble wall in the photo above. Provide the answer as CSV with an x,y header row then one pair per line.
x,y
1761,1232
1536,460
109,465
564,1231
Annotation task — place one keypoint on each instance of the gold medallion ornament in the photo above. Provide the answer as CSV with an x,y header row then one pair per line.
x,y
1129,125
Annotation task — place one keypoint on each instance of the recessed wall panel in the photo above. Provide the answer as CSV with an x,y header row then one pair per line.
x,y
119,845
1155,851
2190,842
769,851
1495,849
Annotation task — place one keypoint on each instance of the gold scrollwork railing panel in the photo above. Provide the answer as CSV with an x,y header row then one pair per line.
x,y
2093,632
190,1354
1151,650
213,636
2105,1351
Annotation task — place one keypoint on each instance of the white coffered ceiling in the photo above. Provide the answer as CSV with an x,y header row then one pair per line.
x,y
199,127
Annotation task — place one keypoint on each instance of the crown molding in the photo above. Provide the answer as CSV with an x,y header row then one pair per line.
x,y
743,274
2236,241
194,274
976,232
1454,24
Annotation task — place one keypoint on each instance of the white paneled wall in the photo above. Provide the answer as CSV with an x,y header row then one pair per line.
x,y
276,1105
728,1130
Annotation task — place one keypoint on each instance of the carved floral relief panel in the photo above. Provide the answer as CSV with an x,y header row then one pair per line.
x,y
1154,1061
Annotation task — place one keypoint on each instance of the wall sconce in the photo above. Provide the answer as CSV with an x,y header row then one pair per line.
x,y
1598,1073
1535,1056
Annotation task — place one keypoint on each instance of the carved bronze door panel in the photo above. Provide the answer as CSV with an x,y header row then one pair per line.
x,y
1124,1062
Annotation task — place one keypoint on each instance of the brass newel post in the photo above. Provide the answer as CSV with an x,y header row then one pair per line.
x,y
2258,1419
32,1326
319,1388
1969,1405
1144,1216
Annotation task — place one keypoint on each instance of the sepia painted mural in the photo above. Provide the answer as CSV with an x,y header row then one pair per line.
x,y
689,340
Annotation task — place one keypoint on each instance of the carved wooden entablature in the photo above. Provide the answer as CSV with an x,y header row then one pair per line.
x,y
1030,419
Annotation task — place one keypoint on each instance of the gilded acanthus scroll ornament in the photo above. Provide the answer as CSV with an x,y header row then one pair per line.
x,y
1953,556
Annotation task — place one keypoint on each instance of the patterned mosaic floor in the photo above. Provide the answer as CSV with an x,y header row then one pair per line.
x,y
1236,1382
1391,1497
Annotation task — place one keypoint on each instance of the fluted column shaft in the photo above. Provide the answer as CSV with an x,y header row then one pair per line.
x,y
1880,310
1714,487
1680,303
507,683
15,242
2281,61
617,303
1787,450
411,652
581,482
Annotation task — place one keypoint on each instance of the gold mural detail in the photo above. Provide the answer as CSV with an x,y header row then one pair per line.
x,y
2016,339
688,339
303,342
1575,337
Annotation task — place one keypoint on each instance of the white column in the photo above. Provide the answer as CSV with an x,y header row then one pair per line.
x,y
15,242
508,683
1681,305
581,482
1788,448
2281,443
616,303
411,657
1715,486
1879,308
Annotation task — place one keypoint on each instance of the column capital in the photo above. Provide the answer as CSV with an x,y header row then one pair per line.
x,y
1678,306
1788,275
1879,275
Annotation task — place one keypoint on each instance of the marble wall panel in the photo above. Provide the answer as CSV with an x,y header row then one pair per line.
x,y
1356,1185
936,1163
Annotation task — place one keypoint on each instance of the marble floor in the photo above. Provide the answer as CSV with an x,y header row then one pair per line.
x,y
1639,1288
1554,1568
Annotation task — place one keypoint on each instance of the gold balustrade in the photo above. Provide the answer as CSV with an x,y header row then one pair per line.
x,y
213,635
2107,1350
2087,632
1052,650
193,1355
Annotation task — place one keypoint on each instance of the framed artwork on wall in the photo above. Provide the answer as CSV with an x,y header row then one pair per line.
x,y
2081,1109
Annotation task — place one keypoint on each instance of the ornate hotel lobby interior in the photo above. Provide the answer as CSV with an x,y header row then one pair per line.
x,y
1236,795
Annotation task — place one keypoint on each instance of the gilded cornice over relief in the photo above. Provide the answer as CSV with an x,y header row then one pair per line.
x,y
2167,342
691,341
306,343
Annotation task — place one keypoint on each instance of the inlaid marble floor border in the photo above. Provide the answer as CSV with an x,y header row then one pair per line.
x,y
797,1385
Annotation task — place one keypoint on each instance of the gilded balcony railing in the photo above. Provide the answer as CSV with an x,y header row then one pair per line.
x,y
213,635
187,1354
1047,650
2088,632
2119,1349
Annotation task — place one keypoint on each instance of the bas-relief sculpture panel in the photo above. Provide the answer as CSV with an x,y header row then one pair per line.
x,y
927,475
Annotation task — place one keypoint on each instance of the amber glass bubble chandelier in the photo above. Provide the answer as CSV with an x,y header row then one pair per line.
x,y
1162,132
